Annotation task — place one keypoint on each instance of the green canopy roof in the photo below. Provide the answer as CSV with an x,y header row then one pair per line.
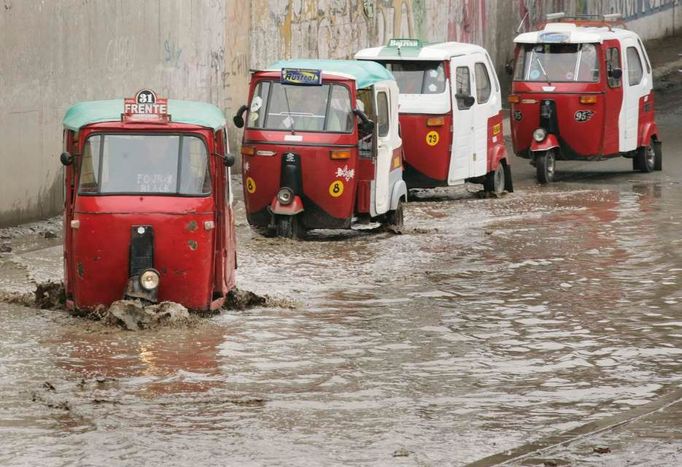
x,y
194,113
366,73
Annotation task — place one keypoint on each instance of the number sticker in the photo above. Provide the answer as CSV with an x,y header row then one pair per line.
x,y
432,138
583,115
250,185
336,188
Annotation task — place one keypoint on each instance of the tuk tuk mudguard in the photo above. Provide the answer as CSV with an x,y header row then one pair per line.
x,y
648,131
550,142
399,193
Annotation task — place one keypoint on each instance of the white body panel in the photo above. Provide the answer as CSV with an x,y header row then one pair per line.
x,y
382,189
462,151
628,119
426,103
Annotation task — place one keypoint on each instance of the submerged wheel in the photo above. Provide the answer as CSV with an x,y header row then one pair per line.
x,y
263,231
289,227
658,150
545,163
394,219
495,181
645,160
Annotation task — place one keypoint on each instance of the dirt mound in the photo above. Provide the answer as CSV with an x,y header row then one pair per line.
x,y
134,316
243,300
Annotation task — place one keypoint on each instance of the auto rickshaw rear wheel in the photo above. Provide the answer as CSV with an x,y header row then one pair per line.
x,y
645,159
545,163
394,219
495,181
263,231
289,227
658,149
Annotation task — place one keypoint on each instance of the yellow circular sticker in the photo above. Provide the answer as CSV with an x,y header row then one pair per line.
x,y
432,138
336,188
250,185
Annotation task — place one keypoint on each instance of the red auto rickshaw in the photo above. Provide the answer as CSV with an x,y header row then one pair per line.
x,y
582,90
450,113
321,147
148,209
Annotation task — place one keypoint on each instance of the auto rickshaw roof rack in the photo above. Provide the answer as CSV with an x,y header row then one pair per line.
x,y
587,21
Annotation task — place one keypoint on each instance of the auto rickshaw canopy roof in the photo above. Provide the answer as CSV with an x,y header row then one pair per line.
x,y
190,112
364,73
570,33
422,52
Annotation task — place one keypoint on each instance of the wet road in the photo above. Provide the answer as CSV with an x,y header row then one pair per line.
x,y
489,323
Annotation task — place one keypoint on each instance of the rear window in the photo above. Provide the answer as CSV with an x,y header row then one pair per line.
x,y
635,70
418,77
145,164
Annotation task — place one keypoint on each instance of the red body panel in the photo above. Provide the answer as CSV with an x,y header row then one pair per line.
x,y
582,139
430,161
318,173
647,125
183,249
496,148
196,260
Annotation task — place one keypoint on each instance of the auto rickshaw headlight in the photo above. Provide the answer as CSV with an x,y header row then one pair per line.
x,y
285,196
539,135
149,279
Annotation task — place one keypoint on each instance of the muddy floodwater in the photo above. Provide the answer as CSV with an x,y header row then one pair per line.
x,y
487,324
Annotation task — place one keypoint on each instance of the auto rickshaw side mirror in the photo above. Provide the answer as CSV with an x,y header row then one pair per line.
x,y
509,67
366,125
228,159
466,99
66,158
238,119
615,73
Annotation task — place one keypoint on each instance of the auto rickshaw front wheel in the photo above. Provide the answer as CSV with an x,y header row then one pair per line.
x,y
394,219
647,159
545,163
289,227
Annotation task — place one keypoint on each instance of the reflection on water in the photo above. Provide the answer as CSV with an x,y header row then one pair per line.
x,y
490,322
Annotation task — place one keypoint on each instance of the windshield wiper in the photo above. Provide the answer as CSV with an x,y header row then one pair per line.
x,y
542,69
293,123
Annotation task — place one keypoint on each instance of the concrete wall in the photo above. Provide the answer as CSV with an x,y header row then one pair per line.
x,y
59,52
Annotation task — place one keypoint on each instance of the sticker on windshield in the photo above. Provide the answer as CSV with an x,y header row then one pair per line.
x,y
250,185
301,77
256,104
534,74
432,138
336,188
583,115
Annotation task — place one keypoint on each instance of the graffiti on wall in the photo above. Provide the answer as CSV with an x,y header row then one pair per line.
x,y
467,21
634,9
336,28
532,12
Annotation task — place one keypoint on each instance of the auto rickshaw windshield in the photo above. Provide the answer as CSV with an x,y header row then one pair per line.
x,y
150,164
416,77
557,62
277,106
